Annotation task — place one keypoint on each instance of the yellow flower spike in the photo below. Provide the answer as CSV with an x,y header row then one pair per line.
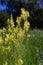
x,y
24,14
12,24
9,30
11,21
26,25
22,11
11,18
27,13
7,35
7,38
21,33
18,20
20,61
16,30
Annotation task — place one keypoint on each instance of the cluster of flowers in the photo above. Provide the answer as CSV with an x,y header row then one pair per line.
x,y
11,39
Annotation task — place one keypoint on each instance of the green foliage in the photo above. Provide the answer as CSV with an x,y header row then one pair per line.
x,y
34,47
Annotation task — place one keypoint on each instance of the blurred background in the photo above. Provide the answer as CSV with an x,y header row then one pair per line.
x,y
35,8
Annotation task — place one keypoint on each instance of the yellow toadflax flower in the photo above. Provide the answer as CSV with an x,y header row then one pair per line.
x,y
20,61
9,38
11,21
27,13
23,11
16,30
26,25
21,33
24,14
18,20
9,30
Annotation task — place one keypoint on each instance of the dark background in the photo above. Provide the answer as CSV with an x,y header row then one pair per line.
x,y
35,8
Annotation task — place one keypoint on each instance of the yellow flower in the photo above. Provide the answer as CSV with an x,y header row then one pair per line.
x,y
11,21
7,35
20,61
8,38
16,30
23,11
18,20
26,25
21,33
12,24
24,14
9,30
27,13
